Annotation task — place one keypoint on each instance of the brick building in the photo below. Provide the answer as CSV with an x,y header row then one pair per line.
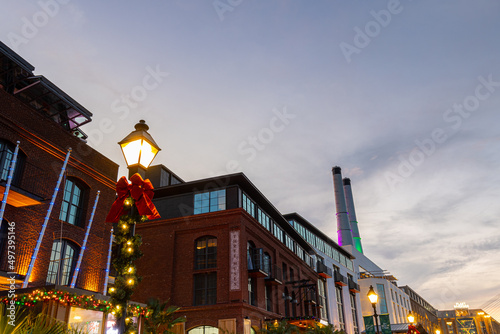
x,y
46,122
225,255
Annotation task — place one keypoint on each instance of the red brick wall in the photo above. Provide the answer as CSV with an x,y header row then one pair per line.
x,y
167,266
45,144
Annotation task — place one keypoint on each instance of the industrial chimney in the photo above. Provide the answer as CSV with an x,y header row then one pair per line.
x,y
344,234
352,215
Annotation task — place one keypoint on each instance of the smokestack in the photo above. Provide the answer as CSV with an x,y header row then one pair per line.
x,y
344,234
352,214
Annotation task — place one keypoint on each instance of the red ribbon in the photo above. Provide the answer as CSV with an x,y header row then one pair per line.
x,y
412,330
142,193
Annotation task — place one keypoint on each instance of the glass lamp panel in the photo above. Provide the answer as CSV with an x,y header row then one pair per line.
x,y
131,151
148,153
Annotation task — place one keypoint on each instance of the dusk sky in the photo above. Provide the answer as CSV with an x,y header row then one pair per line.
x,y
403,95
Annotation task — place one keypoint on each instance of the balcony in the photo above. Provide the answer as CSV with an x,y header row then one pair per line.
x,y
353,286
310,297
274,275
256,265
339,279
323,270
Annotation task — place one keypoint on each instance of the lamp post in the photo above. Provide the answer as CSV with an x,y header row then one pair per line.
x,y
139,150
411,328
373,297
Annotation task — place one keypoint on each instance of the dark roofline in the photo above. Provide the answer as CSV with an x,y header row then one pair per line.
x,y
315,230
236,179
407,287
16,58
59,92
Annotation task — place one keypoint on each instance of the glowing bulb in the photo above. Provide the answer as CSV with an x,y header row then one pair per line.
x,y
130,281
124,226
118,307
129,249
127,319
129,242
130,269
111,289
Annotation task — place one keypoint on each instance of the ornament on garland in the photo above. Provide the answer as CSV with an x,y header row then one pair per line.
x,y
133,205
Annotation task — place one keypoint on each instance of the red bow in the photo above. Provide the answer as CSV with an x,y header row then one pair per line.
x,y
412,330
141,191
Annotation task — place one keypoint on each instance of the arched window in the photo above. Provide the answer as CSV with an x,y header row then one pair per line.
x,y
62,262
72,203
6,156
204,330
205,253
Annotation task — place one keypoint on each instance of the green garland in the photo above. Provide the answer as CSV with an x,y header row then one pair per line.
x,y
127,253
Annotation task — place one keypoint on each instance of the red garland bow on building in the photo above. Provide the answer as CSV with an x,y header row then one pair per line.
x,y
412,330
142,193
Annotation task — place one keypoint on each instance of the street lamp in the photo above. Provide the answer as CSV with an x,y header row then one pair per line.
x,y
373,297
411,319
139,149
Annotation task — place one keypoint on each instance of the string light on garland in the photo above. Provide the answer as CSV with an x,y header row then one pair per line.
x,y
71,299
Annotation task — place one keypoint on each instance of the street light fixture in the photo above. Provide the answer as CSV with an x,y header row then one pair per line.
x,y
373,297
411,319
139,149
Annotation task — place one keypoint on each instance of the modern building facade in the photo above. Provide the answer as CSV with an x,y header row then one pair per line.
x,y
425,314
463,320
391,299
338,290
227,257
46,122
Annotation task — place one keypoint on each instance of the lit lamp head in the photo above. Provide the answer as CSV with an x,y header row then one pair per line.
x,y
372,295
438,331
139,149
411,319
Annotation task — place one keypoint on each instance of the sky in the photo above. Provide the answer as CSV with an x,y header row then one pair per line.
x,y
403,95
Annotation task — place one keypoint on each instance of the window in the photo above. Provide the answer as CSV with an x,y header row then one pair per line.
x,y
6,156
352,296
248,205
264,219
289,242
381,296
210,201
340,307
285,273
287,298
267,263
204,330
251,291
278,232
62,262
322,299
72,203
205,289
205,253
269,297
